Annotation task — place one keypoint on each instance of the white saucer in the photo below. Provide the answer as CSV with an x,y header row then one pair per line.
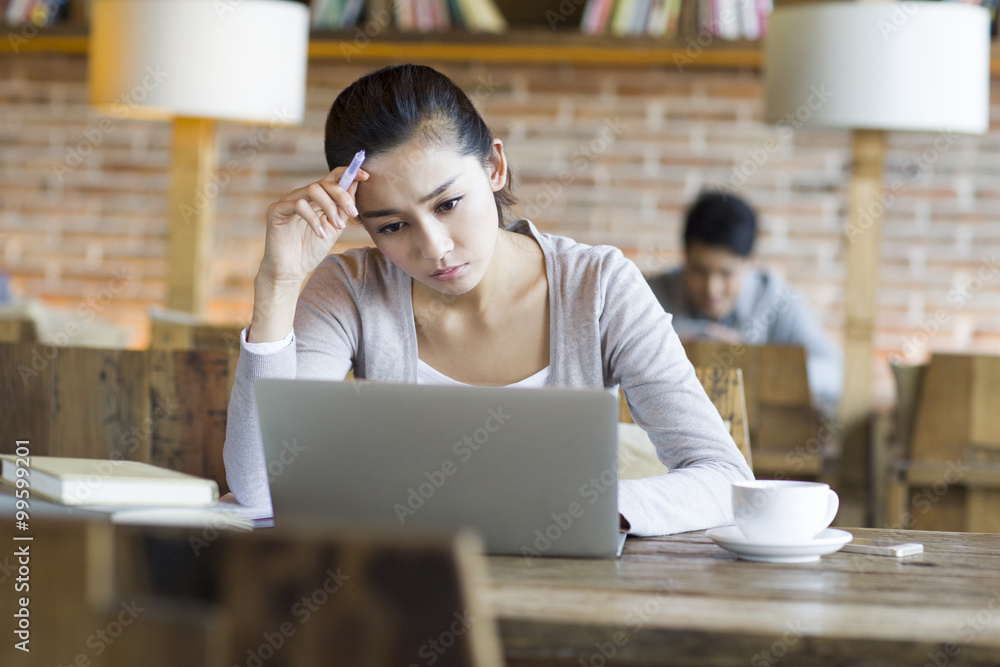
x,y
732,539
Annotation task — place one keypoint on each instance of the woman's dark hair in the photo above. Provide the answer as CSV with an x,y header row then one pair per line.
x,y
721,219
386,108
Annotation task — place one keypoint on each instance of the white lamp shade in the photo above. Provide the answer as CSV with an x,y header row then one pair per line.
x,y
879,65
239,60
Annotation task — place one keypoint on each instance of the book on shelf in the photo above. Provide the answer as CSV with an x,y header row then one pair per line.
x,y
335,14
38,13
734,19
482,16
595,16
74,481
423,16
671,19
623,18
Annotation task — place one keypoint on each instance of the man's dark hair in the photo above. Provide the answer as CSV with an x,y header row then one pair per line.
x,y
721,219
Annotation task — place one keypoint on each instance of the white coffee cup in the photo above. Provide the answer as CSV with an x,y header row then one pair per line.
x,y
776,511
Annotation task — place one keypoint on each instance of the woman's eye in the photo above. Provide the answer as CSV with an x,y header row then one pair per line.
x,y
444,207
391,228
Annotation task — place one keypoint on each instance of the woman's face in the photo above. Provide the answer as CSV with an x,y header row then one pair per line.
x,y
431,212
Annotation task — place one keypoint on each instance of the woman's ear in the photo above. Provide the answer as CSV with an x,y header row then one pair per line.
x,y
496,167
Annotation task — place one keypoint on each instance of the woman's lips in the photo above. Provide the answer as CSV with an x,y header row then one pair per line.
x,y
449,273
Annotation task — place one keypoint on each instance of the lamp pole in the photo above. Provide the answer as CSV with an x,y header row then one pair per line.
x,y
862,236
191,214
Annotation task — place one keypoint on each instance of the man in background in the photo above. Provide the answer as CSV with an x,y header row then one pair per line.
x,y
720,294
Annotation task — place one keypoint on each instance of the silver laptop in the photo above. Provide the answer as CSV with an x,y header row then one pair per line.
x,y
533,471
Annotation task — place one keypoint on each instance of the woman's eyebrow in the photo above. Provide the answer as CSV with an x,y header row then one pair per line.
x,y
392,211
441,188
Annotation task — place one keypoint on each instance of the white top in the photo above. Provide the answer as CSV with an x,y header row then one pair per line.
x,y
429,375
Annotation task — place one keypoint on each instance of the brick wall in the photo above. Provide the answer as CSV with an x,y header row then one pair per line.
x,y
605,155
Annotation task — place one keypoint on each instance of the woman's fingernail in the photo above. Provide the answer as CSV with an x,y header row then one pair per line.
x,y
322,232
354,210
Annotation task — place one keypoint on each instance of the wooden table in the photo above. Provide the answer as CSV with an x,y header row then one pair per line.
x,y
677,600
681,600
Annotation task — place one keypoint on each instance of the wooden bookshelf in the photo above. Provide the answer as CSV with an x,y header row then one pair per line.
x,y
539,45
519,45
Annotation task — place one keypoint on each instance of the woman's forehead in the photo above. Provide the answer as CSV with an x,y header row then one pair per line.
x,y
415,168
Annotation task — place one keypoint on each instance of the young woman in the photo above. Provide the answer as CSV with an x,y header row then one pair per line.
x,y
449,294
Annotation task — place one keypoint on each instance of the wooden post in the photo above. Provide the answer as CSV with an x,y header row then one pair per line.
x,y
865,210
191,214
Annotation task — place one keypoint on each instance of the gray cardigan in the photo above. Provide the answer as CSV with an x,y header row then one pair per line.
x,y
606,329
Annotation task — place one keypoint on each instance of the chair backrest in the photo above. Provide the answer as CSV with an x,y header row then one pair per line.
x,y
947,476
779,412
908,380
724,386
157,406
956,419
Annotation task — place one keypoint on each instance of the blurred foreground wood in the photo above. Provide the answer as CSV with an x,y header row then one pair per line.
x,y
303,596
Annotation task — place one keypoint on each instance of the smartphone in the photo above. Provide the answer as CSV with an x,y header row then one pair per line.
x,y
883,547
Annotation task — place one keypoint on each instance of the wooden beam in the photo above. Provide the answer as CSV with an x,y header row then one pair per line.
x,y
191,214
865,211
522,49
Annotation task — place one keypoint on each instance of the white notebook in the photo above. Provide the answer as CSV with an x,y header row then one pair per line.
x,y
73,481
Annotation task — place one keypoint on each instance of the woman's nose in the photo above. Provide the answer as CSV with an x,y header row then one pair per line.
x,y
435,242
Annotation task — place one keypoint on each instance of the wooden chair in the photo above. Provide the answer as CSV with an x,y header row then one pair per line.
x,y
724,386
162,407
780,417
890,436
948,477
303,595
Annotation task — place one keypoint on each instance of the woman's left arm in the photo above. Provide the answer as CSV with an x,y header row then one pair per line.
x,y
643,354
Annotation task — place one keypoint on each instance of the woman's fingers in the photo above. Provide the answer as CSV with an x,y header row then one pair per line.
x,y
344,198
310,203
321,198
306,212
322,201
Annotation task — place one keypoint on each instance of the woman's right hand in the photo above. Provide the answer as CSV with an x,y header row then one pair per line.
x,y
303,225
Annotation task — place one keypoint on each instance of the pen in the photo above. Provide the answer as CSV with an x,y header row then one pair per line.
x,y
352,170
